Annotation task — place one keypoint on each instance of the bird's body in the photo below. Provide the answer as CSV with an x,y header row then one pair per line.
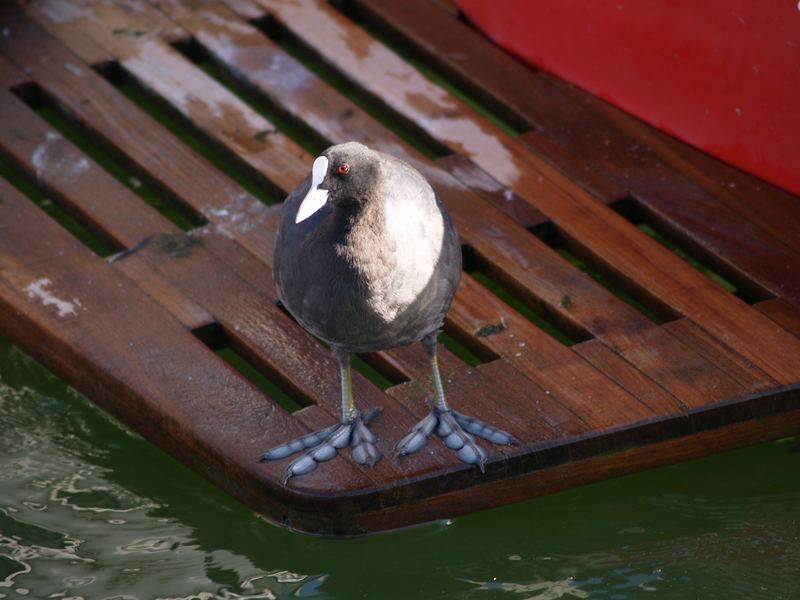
x,y
367,259
372,272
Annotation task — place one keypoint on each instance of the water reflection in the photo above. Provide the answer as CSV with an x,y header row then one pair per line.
x,y
90,510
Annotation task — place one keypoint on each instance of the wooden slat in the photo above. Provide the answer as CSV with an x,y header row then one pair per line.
x,y
218,129
94,197
223,309
98,331
160,69
11,76
575,130
504,243
639,259
532,351
783,313
156,156
742,370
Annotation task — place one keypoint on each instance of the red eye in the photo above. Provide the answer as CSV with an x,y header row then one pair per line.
x,y
343,168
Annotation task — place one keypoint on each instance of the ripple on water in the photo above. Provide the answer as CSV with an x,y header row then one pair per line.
x,y
71,528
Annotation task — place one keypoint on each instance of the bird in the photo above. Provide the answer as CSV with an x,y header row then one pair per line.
x,y
366,259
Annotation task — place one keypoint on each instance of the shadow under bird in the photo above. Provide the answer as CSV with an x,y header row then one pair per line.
x,y
367,259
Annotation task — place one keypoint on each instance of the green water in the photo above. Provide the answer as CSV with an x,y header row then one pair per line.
x,y
90,510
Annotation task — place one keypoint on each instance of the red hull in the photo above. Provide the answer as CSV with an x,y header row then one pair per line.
x,y
723,76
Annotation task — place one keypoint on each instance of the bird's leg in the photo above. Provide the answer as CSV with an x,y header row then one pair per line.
x,y
324,444
361,438
455,429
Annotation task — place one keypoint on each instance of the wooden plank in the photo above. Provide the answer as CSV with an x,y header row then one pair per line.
x,y
98,331
537,268
121,219
783,313
575,130
218,129
155,155
245,134
10,76
488,188
617,369
91,195
597,398
640,260
549,479
741,369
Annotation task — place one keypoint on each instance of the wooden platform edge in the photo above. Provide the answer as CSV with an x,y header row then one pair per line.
x,y
555,466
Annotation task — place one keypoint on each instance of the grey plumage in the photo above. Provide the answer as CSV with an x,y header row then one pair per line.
x,y
340,272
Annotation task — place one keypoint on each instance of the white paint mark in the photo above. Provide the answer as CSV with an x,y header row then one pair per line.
x,y
484,148
738,111
39,153
36,289
508,195
241,215
189,90
65,12
55,161
403,88
74,69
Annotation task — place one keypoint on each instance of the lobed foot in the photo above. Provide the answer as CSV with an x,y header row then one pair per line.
x,y
457,431
324,444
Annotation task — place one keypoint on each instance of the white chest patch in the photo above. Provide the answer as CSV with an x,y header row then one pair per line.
x,y
417,234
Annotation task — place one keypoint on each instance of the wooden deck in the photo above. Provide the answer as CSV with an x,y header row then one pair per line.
x,y
666,365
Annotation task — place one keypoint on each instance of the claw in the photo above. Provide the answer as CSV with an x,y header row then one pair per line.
x,y
337,437
296,445
417,437
456,431
363,442
487,432
324,444
472,454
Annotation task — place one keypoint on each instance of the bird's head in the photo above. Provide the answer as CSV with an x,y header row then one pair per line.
x,y
344,175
